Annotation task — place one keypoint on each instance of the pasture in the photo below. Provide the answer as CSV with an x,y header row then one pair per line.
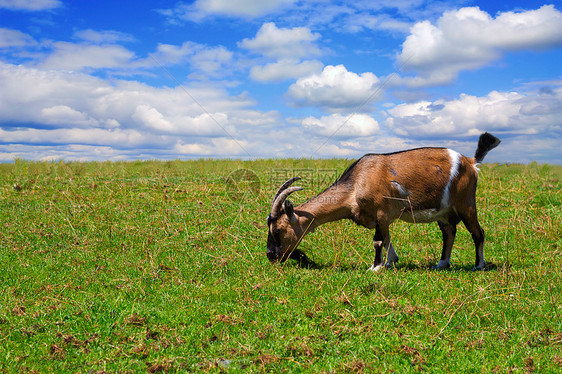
x,y
160,267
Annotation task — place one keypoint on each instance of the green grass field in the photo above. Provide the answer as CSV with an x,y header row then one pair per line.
x,y
161,267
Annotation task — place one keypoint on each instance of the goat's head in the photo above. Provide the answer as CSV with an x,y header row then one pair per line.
x,y
283,225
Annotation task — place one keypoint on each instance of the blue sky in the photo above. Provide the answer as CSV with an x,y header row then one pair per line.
x,y
127,80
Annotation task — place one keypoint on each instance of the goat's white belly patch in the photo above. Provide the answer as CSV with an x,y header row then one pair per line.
x,y
424,216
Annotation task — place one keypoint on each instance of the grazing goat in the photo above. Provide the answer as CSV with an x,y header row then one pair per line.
x,y
418,185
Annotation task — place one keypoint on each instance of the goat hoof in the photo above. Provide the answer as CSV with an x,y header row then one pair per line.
x,y
376,268
442,264
479,267
440,267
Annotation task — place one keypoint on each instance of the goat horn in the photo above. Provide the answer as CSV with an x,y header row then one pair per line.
x,y
285,186
280,199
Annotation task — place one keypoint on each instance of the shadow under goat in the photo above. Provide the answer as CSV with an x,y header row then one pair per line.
x,y
418,185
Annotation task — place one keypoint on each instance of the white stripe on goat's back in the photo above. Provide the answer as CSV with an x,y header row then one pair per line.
x,y
453,172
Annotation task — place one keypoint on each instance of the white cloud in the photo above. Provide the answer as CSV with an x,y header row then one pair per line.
x,y
285,69
117,138
98,51
283,43
15,38
525,149
30,5
51,107
208,60
470,38
169,54
202,9
338,126
532,112
218,147
319,14
288,47
27,91
70,56
61,115
103,37
335,89
212,61
152,118
361,21
76,108
198,125
242,8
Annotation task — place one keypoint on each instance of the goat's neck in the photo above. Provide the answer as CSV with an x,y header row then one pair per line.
x,y
331,205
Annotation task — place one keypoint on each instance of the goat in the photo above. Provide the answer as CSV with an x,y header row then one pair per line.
x,y
417,185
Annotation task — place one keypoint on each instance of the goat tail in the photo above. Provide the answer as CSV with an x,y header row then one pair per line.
x,y
486,143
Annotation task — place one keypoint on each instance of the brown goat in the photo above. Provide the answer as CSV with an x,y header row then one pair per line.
x,y
418,185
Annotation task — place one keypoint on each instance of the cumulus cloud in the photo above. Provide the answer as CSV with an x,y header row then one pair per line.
x,y
15,38
470,38
95,50
54,107
103,37
285,69
335,89
339,126
534,112
118,138
215,147
366,21
71,56
30,5
53,152
202,9
205,61
280,43
243,8
99,50
211,61
200,125
61,115
288,47
169,54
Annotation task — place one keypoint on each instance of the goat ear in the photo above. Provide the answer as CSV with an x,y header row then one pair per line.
x,y
289,210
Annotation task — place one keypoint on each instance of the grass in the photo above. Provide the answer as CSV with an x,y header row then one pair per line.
x,y
160,267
